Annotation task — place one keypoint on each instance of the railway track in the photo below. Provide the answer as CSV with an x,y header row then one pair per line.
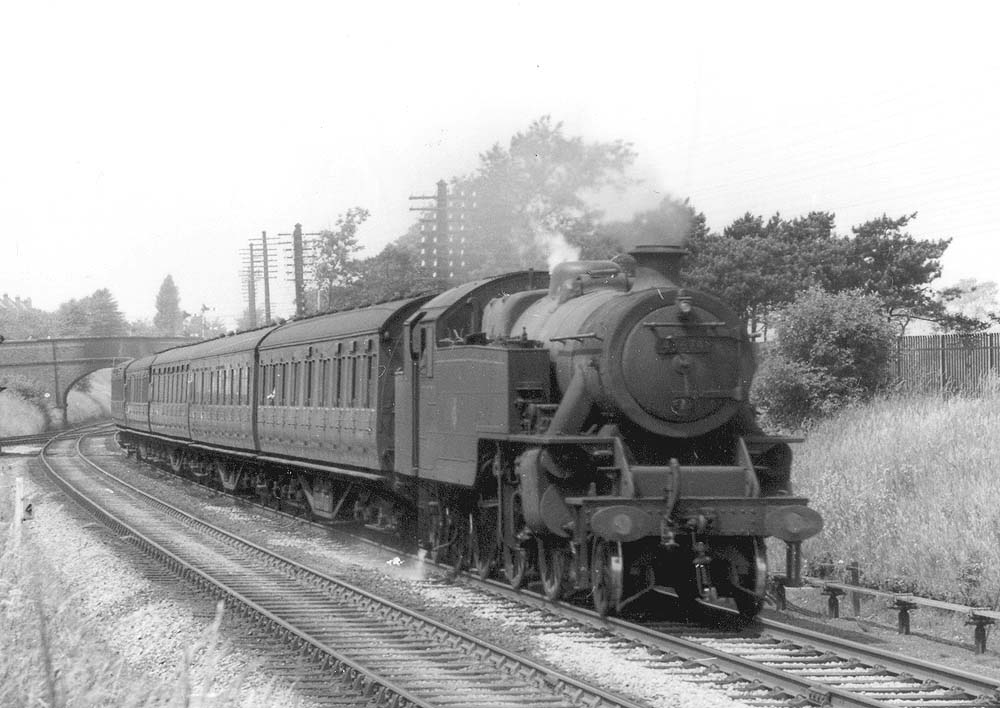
x,y
766,664
42,438
369,649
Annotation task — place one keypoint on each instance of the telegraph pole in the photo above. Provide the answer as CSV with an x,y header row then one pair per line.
x,y
252,291
443,231
298,267
256,260
267,280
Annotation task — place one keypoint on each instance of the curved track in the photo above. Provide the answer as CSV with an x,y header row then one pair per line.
x,y
766,664
370,648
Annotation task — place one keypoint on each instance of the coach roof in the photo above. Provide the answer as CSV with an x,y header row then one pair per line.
x,y
348,323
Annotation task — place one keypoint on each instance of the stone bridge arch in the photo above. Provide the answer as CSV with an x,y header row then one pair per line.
x,y
57,364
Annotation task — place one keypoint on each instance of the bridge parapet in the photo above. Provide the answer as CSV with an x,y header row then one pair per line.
x,y
57,364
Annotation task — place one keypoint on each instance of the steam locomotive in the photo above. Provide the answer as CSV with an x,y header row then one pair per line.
x,y
588,428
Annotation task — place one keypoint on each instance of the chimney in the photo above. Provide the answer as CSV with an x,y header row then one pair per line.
x,y
657,266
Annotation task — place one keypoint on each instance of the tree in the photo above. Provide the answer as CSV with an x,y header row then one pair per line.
x,y
531,196
975,300
758,266
169,317
887,261
72,319
336,265
96,315
750,266
672,222
106,320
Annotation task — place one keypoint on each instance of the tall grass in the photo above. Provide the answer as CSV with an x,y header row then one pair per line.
x,y
908,487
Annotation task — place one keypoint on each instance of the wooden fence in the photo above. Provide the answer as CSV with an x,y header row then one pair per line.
x,y
948,362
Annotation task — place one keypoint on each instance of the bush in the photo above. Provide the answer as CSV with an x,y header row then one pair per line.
x,y
791,393
833,349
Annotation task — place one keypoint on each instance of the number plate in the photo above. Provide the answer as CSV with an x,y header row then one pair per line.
x,y
687,345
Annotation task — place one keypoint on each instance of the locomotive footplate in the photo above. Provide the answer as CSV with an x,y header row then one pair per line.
x,y
629,518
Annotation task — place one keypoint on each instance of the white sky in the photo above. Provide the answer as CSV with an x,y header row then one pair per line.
x,y
141,139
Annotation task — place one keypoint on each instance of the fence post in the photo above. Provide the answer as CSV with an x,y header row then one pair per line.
x,y
855,570
941,359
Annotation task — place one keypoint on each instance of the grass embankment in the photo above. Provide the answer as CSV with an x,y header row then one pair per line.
x,y
27,415
50,655
908,487
79,627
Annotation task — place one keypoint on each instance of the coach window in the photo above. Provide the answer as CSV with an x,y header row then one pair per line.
x,y
339,382
354,382
282,371
324,382
369,384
